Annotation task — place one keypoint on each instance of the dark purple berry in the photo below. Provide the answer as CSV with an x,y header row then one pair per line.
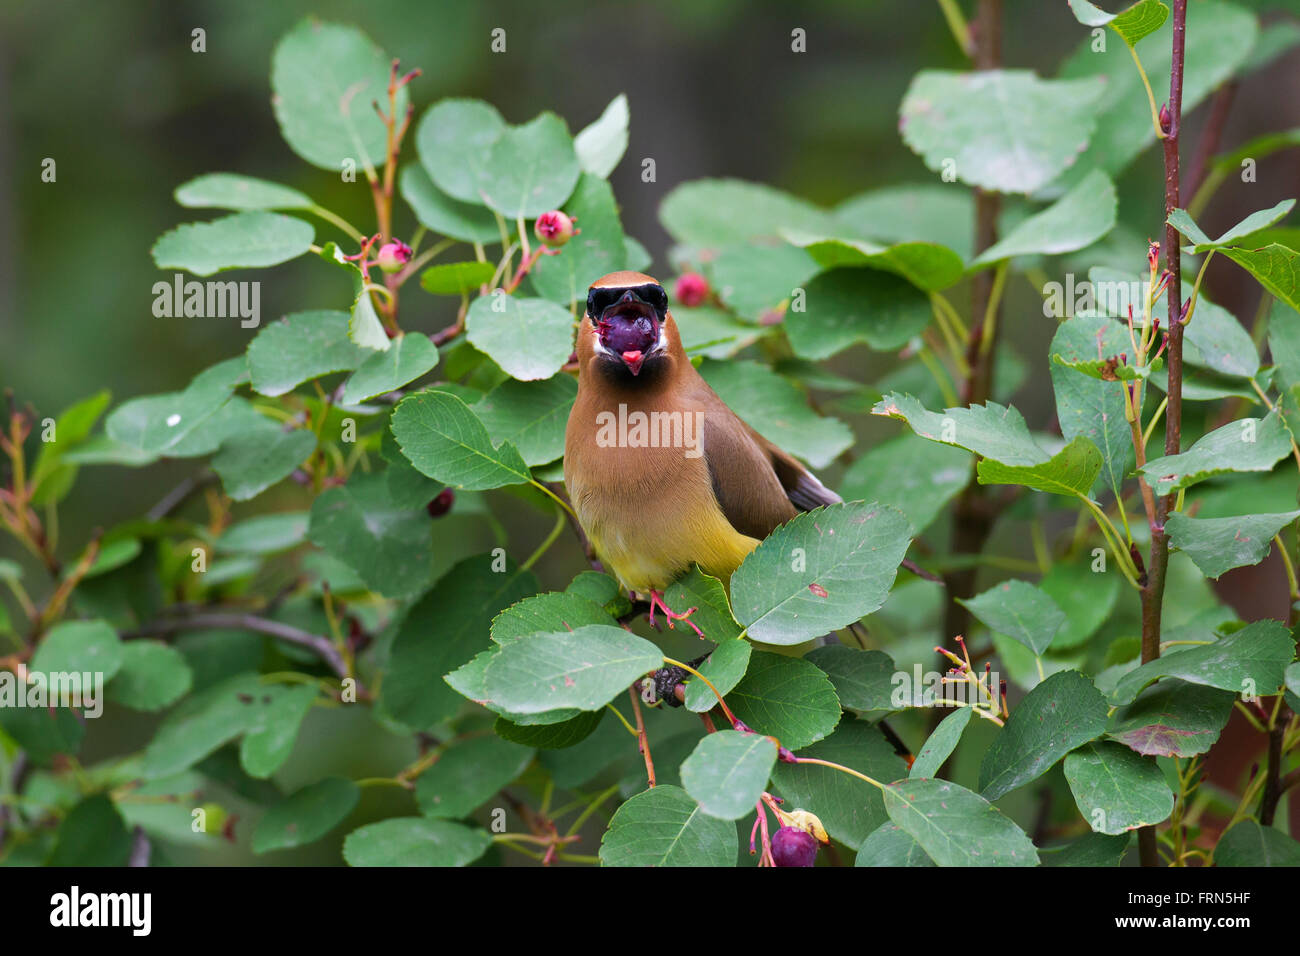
x,y
440,505
793,847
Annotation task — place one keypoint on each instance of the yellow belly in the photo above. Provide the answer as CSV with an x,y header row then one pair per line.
x,y
645,558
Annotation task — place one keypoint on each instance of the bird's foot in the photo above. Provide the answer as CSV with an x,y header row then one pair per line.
x,y
657,599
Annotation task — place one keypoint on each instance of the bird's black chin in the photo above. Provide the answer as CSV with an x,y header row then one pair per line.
x,y
632,371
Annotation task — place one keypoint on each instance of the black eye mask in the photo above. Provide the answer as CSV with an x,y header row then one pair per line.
x,y
652,294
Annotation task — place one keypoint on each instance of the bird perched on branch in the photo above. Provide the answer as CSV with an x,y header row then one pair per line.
x,y
661,473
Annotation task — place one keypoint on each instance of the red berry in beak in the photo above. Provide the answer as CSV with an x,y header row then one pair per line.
x,y
633,359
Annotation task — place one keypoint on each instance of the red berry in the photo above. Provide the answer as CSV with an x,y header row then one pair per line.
x,y
691,289
793,847
553,228
440,505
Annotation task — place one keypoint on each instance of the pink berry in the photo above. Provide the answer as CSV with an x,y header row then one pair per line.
x,y
553,228
692,289
393,255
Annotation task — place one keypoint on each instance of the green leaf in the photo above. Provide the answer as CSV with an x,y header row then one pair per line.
x,y
1087,598
274,730
77,647
445,440
1172,718
306,816
707,595
849,808
1249,844
528,338
244,240
790,699
415,841
940,744
158,423
1060,714
890,845
456,278
602,144
1217,545
1219,36
584,668
531,416
724,669
1248,444
390,548
1086,406
863,680
410,356
443,214
441,632
991,430
753,279
1276,267
917,477
42,732
1132,24
956,827
1072,471
92,834
202,723
1115,789
454,138
324,77
727,772
720,212
1075,221
1181,220
1018,610
819,571
300,347
849,305
265,534
152,676
776,408
1091,849
467,774
927,265
567,733
1005,130
364,327
663,826
235,191
253,460
51,477
551,611
1250,661
528,169
596,250
928,212
712,332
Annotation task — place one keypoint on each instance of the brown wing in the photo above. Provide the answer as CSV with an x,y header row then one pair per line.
x,y
757,485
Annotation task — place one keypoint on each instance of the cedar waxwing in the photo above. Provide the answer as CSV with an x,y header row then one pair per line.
x,y
661,473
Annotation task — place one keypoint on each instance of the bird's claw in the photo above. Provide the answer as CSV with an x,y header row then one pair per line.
x,y
657,599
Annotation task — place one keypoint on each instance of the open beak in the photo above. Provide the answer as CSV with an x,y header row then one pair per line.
x,y
633,359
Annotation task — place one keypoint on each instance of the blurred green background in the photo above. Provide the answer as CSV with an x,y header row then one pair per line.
x,y
113,93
